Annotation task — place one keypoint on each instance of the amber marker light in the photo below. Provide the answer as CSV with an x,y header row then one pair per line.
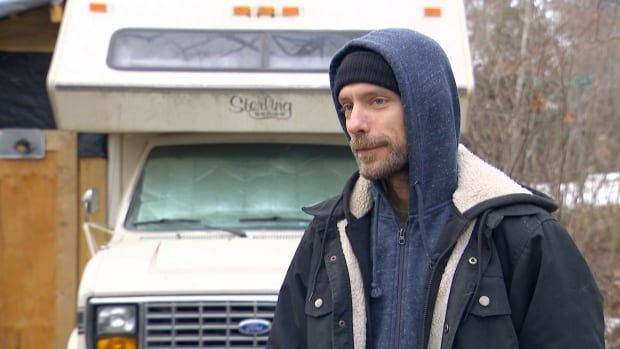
x,y
290,11
242,11
266,11
100,7
432,12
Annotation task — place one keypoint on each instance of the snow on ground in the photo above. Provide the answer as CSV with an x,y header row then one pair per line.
x,y
611,324
599,189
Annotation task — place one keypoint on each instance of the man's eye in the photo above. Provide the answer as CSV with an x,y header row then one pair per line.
x,y
379,101
346,108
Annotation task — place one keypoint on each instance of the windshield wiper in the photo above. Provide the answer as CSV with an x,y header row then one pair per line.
x,y
274,219
239,233
166,221
236,232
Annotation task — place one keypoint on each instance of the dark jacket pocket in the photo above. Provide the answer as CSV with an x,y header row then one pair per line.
x,y
319,305
318,311
491,298
488,324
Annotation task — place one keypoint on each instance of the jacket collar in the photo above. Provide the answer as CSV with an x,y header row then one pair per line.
x,y
480,182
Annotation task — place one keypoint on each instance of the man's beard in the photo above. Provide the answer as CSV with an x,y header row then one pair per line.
x,y
373,169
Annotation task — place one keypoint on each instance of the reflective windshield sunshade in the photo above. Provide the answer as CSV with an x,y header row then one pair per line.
x,y
235,187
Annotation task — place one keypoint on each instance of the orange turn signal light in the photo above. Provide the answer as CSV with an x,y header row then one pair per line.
x,y
117,342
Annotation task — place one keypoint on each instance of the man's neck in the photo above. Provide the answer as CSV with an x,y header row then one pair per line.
x,y
398,191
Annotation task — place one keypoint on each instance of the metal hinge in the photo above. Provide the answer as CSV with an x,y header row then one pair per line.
x,y
19,143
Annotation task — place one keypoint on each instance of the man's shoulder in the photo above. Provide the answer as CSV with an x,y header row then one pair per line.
x,y
333,206
325,207
519,224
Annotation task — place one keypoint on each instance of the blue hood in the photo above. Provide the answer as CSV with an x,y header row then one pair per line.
x,y
432,118
432,114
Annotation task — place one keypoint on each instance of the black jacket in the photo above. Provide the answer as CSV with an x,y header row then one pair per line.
x,y
519,282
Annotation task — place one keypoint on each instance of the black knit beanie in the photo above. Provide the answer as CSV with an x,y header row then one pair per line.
x,y
364,66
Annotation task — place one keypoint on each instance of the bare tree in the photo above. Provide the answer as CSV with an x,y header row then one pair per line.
x,y
546,80
546,110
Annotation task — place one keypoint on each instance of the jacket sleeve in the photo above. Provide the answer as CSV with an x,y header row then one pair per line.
x,y
288,327
555,299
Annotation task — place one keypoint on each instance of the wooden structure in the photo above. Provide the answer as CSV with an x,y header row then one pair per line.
x,y
38,244
29,32
42,247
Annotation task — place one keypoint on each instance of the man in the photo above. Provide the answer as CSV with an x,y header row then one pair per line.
x,y
429,246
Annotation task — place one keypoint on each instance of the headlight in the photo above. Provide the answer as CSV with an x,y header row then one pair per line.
x,y
116,319
116,327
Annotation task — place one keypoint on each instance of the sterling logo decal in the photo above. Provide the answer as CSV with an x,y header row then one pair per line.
x,y
266,107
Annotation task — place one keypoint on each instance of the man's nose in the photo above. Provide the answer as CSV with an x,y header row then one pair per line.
x,y
357,121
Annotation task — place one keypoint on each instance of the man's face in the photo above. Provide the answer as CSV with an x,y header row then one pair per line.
x,y
375,121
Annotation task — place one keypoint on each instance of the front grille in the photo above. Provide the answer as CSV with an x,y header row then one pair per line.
x,y
203,324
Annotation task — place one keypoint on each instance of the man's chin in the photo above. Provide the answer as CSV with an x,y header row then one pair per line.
x,y
374,174
370,175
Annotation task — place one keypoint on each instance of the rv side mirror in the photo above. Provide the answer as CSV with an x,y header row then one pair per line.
x,y
90,201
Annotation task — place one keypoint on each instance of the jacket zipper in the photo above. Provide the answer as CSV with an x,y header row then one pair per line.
x,y
429,284
425,307
401,267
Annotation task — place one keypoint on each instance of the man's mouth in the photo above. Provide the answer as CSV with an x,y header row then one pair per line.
x,y
362,151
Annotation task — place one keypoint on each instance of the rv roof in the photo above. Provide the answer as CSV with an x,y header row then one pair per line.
x,y
111,56
84,41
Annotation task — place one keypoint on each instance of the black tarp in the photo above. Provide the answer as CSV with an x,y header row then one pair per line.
x,y
24,102
92,145
23,96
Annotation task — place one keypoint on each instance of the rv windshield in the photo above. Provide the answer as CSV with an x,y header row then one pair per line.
x,y
179,50
236,187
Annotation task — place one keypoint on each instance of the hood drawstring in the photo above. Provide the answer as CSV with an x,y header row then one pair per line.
x,y
472,300
319,260
421,225
483,233
375,289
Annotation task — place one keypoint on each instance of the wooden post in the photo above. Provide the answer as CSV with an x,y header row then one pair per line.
x,y
64,144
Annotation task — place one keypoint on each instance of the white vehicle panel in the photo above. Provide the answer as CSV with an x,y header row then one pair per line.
x,y
193,266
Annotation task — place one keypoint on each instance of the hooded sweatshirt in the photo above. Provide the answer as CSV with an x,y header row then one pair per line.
x,y
401,253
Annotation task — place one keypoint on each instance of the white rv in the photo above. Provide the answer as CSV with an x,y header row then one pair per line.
x,y
220,128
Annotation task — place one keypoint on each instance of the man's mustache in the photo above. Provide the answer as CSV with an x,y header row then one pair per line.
x,y
363,142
